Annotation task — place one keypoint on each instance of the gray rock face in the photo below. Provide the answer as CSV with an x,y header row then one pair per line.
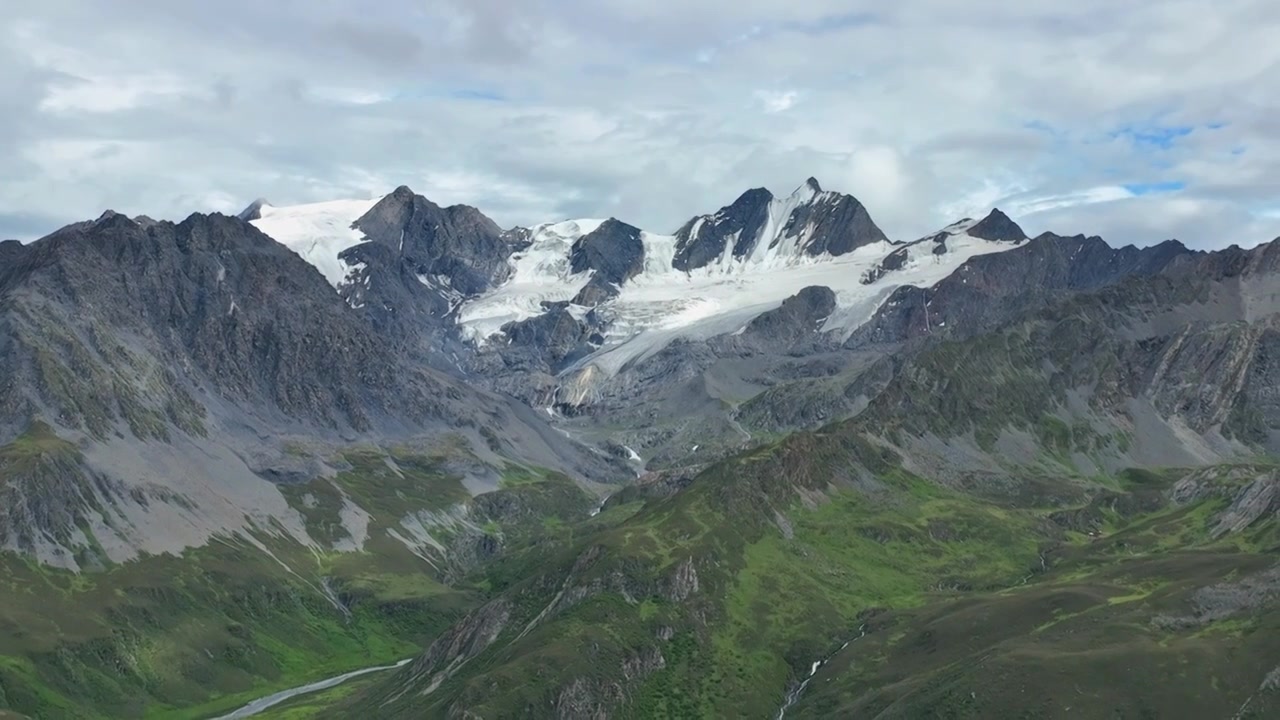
x,y
837,224
596,291
1253,502
161,329
556,335
991,289
613,250
704,239
253,211
895,260
997,227
799,317
420,263
829,223
457,242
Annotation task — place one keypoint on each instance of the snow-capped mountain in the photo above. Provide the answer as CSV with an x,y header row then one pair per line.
x,y
759,229
630,291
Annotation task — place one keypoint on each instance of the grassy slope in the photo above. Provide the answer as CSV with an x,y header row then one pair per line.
x,y
765,605
1088,639
800,546
192,636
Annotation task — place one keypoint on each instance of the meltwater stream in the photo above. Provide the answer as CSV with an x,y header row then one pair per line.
x,y
269,701
794,696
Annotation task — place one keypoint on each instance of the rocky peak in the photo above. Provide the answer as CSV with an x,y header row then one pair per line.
x,y
998,227
614,251
703,239
458,243
834,223
821,222
990,289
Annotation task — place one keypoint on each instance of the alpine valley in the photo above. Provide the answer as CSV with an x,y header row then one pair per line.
x,y
771,464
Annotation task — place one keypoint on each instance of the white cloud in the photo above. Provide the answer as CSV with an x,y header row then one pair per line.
x,y
1088,196
775,102
651,111
110,94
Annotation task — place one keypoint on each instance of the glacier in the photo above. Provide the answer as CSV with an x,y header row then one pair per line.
x,y
661,303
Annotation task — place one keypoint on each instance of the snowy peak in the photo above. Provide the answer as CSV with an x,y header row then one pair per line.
x,y
758,227
998,227
737,227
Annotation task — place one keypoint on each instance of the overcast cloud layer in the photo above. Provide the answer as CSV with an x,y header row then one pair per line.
x,y
1138,121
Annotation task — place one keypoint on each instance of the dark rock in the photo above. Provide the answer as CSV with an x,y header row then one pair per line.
x,y
420,263
614,251
997,227
233,329
457,242
703,239
253,211
800,316
895,260
991,289
554,337
840,224
596,291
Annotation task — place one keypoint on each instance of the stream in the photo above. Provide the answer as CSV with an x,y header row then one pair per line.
x,y
794,696
269,701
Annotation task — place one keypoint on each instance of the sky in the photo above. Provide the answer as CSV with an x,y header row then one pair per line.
x,y
1135,120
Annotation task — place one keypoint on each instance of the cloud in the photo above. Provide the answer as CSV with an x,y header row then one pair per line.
x,y
775,102
1136,121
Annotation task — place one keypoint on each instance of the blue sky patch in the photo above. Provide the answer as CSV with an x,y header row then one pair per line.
x,y
1152,188
1154,136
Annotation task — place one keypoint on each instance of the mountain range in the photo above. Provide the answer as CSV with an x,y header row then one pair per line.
x,y
772,463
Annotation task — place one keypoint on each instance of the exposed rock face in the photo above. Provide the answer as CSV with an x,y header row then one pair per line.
x,y
704,239
456,242
452,650
614,251
836,224
824,223
252,212
799,317
176,357
217,297
895,260
556,337
1161,369
991,289
998,227
1221,601
420,263
597,290
10,250
1254,501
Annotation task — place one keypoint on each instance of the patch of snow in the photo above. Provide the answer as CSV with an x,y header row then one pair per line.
x,y
540,272
317,231
662,304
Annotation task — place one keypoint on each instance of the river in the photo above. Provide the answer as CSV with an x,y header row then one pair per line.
x,y
269,701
